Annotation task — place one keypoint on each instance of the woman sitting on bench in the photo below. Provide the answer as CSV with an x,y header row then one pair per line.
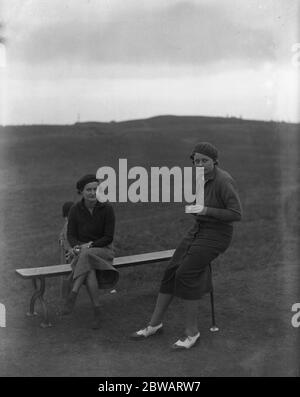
x,y
90,234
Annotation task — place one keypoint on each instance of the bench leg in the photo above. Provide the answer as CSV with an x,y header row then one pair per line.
x,y
213,327
32,300
39,294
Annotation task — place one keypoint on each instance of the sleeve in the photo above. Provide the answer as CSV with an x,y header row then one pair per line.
x,y
232,210
109,229
230,196
72,234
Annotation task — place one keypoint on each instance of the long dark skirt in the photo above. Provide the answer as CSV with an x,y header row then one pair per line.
x,y
188,274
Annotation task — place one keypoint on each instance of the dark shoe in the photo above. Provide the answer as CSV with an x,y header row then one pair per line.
x,y
69,303
96,324
146,332
186,343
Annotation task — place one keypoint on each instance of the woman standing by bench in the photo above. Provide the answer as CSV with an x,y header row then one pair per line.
x,y
90,233
188,275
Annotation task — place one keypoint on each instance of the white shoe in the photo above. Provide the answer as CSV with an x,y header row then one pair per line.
x,y
187,342
148,331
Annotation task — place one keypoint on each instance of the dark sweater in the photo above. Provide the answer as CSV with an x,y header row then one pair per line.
x,y
84,227
221,199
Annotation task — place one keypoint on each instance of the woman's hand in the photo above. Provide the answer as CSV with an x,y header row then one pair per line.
x,y
202,212
76,250
70,254
86,245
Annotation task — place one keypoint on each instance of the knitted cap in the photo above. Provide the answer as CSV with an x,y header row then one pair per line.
x,y
207,149
85,180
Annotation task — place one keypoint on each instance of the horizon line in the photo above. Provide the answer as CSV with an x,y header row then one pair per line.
x,y
149,118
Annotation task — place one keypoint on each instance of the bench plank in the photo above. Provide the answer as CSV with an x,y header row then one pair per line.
x,y
122,261
48,271
142,259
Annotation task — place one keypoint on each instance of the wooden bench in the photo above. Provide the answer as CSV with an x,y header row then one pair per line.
x,y
38,276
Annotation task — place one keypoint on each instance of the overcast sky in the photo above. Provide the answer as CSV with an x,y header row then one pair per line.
x,y
121,59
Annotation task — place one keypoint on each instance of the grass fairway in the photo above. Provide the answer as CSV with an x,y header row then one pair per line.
x,y
256,280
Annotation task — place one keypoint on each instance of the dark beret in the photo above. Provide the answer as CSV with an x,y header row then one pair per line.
x,y
207,149
85,180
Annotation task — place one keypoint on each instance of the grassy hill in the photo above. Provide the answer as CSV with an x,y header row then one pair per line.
x,y
256,278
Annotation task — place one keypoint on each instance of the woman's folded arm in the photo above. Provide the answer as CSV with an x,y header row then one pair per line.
x,y
222,214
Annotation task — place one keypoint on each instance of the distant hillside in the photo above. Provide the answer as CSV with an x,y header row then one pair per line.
x,y
152,122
